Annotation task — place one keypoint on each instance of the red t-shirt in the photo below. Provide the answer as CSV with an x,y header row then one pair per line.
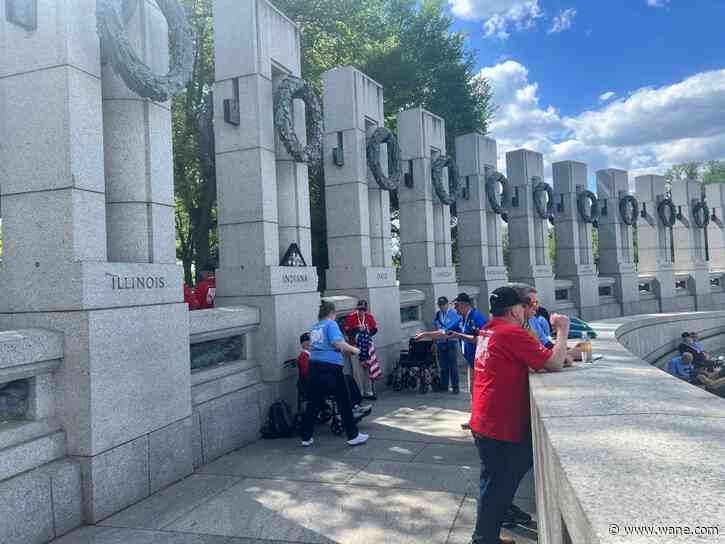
x,y
500,402
190,298
206,292
303,364
354,321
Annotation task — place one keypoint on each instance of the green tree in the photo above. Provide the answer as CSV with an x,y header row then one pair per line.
x,y
713,172
194,166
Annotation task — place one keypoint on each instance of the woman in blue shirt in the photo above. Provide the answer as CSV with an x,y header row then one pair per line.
x,y
326,377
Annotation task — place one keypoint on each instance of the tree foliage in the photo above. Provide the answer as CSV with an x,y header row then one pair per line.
x,y
194,166
705,172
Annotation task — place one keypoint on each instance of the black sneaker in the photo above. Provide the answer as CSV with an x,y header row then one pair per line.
x,y
370,397
456,391
516,516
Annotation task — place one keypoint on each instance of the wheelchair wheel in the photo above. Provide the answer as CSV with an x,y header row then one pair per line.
x,y
336,426
397,382
325,414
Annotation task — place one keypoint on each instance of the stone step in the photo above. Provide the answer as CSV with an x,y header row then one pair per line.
x,y
32,453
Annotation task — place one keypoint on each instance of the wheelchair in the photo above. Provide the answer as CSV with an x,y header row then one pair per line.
x,y
417,368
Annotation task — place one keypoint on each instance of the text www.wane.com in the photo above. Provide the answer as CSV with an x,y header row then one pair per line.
x,y
661,530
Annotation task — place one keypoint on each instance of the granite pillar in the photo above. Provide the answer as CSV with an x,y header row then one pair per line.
x,y
616,241
690,243
137,151
528,233
358,211
715,194
425,238
480,236
125,372
263,196
574,249
655,241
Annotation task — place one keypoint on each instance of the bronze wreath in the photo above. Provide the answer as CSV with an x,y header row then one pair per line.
x,y
588,215
701,214
667,220
383,135
111,18
544,212
447,197
629,210
499,207
290,88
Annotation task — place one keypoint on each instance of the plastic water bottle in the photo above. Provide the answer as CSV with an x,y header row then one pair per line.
x,y
586,347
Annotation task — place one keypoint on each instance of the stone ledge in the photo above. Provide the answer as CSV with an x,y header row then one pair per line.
x,y
225,321
28,455
28,346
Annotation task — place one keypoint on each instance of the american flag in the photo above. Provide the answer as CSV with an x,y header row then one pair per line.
x,y
375,370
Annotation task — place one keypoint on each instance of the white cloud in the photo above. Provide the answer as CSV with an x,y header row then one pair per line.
x,y
563,21
657,3
645,132
499,17
606,97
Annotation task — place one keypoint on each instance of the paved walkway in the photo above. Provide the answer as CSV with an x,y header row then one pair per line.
x,y
414,482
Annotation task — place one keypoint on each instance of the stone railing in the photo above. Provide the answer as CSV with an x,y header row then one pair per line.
x,y
32,441
563,295
228,398
621,444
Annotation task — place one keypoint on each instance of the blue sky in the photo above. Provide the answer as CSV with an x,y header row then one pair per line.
x,y
634,84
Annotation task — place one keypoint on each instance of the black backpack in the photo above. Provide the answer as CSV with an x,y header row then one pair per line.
x,y
280,423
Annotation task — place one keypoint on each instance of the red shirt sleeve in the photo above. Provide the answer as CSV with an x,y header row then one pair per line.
x,y
303,365
371,322
529,349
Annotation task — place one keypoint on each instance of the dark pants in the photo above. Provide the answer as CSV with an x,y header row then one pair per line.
x,y
503,466
448,362
326,380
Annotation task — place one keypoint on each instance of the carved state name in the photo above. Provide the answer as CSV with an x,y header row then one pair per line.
x,y
295,278
121,283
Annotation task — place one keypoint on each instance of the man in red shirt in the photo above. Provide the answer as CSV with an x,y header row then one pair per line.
x,y
500,412
356,324
206,288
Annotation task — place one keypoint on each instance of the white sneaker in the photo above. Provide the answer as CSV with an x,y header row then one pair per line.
x,y
361,438
308,443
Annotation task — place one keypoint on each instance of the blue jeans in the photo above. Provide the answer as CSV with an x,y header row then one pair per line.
x,y
448,362
503,466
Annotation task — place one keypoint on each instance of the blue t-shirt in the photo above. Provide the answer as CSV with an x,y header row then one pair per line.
x,y
540,326
322,336
473,321
679,369
699,347
448,321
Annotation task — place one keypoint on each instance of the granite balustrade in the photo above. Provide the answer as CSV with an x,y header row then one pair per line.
x,y
622,446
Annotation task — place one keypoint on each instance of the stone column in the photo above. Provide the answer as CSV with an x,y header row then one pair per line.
x,y
574,249
690,243
655,241
480,237
358,212
138,157
616,242
426,257
123,388
715,194
528,233
263,196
